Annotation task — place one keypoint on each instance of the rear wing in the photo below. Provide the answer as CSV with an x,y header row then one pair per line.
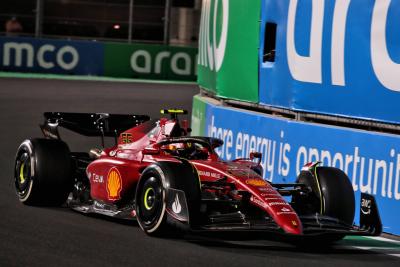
x,y
174,112
89,124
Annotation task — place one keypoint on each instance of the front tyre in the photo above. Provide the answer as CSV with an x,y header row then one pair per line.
x,y
150,202
43,172
331,195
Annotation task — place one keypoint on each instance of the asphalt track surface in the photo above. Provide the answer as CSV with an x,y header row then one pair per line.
x,y
40,236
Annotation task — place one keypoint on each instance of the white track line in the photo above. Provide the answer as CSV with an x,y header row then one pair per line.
x,y
379,238
373,248
387,250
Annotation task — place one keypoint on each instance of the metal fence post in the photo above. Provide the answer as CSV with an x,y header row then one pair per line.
x,y
167,19
39,18
130,21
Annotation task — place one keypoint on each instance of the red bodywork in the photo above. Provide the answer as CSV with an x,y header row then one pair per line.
x,y
116,172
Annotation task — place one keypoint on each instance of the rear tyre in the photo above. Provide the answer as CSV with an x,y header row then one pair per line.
x,y
43,172
332,195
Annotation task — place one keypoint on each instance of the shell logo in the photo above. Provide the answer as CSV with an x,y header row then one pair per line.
x,y
114,184
256,182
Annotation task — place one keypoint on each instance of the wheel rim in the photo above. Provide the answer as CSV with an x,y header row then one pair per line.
x,y
150,206
23,177
149,197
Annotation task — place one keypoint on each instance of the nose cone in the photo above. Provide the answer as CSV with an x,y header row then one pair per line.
x,y
292,226
280,210
266,197
285,216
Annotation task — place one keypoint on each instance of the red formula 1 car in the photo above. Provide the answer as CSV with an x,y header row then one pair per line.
x,y
165,179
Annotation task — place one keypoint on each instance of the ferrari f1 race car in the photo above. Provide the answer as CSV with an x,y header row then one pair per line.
x,y
165,179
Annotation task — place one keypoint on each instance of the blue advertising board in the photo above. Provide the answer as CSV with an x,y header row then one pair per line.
x,y
371,160
339,57
51,56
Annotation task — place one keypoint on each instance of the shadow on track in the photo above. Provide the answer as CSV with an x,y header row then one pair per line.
x,y
275,243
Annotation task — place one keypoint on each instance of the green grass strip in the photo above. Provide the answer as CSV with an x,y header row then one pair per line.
x,y
361,241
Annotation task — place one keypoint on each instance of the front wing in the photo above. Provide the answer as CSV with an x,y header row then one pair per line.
x,y
313,225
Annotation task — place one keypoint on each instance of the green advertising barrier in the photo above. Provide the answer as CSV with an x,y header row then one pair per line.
x,y
198,116
228,48
146,61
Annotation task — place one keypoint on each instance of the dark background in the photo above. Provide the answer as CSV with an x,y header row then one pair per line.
x,y
93,19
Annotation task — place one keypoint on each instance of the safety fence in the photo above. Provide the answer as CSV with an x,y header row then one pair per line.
x,y
134,21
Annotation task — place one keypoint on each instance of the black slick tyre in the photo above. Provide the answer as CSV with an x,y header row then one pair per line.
x,y
151,198
150,201
43,172
332,195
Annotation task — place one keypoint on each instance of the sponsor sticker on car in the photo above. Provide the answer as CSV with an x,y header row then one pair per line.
x,y
114,184
256,182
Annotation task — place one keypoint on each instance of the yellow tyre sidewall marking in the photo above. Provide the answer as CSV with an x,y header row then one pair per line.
x,y
146,193
21,173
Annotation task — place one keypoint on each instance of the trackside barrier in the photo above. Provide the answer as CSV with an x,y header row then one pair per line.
x,y
371,160
150,61
332,57
100,59
228,48
51,56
